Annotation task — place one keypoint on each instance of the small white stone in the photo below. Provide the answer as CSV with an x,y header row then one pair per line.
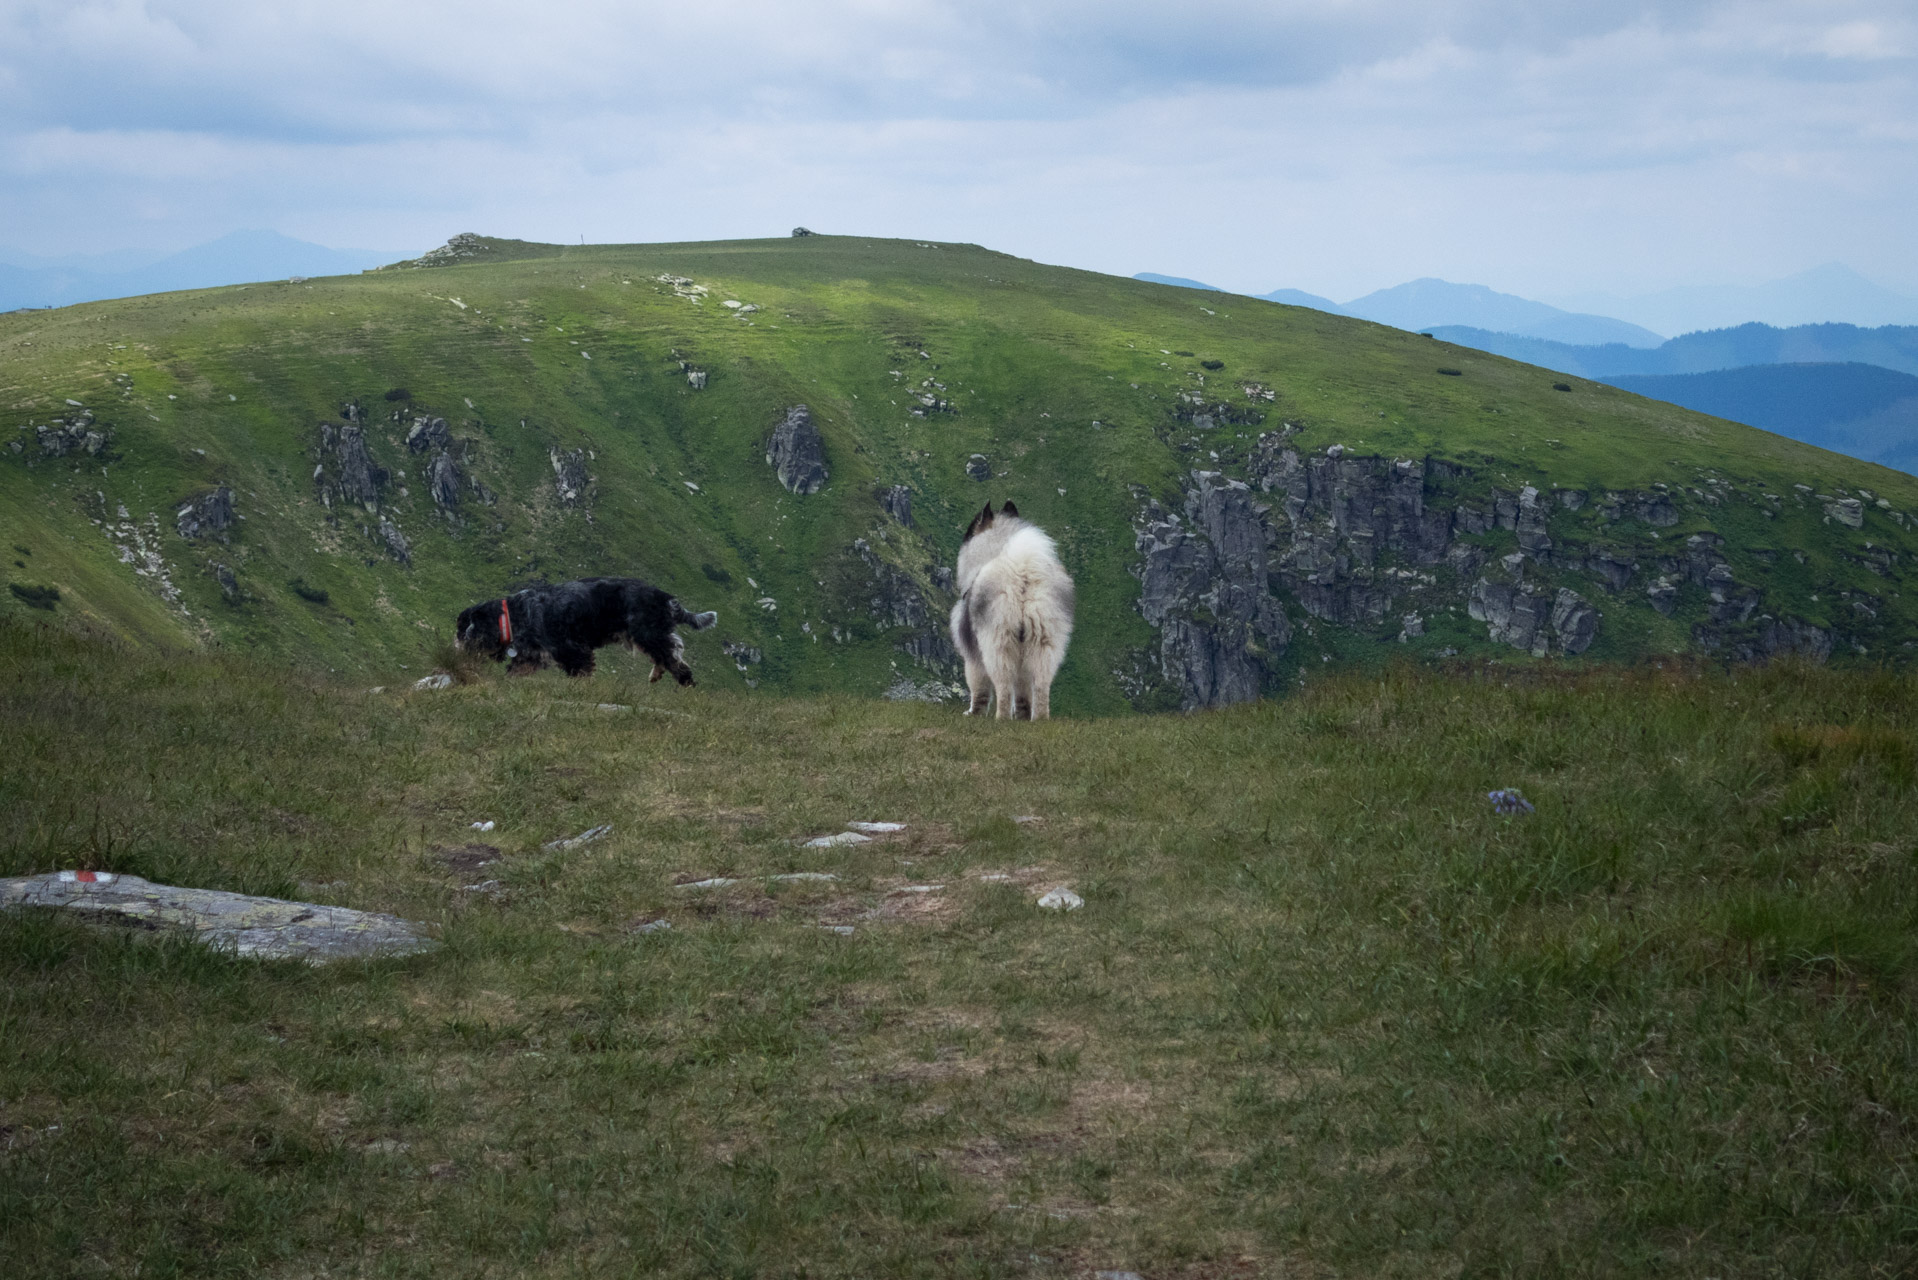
x,y
831,841
807,875
919,888
574,842
653,926
438,680
1061,899
843,930
717,882
876,828
487,825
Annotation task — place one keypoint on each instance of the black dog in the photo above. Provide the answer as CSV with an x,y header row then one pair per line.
x,y
563,624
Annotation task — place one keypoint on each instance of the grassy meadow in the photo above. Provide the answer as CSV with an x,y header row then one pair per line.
x,y
1323,1014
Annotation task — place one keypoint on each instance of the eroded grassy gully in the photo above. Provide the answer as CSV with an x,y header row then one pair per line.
x,y
1324,1012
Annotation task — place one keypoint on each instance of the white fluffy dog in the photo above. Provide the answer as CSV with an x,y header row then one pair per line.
x,y
1014,615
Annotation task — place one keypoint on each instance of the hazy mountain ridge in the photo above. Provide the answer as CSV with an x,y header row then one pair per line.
x,y
1817,296
238,258
1889,347
1425,303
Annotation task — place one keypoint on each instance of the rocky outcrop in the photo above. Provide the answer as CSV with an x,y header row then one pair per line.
x,y
796,453
1204,583
1533,618
77,433
443,481
461,248
895,600
427,434
897,500
1849,512
1195,410
396,544
1377,543
346,472
1769,638
1356,532
208,516
1655,509
570,479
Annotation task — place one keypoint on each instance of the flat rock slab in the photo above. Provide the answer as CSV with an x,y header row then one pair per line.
x,y
270,928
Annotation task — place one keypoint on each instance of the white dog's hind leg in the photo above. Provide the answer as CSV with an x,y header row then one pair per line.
x,y
978,688
1006,697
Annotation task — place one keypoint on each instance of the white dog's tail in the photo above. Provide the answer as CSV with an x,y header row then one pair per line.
x,y
1028,639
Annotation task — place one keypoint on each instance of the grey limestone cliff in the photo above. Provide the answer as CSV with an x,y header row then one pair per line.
x,y
1383,545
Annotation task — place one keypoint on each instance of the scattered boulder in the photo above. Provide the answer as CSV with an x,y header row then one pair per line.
x,y
796,452
428,433
354,476
1060,899
208,516
897,500
570,479
979,467
1847,511
443,481
801,231
75,433
396,544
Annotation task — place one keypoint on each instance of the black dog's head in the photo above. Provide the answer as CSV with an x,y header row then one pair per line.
x,y
480,630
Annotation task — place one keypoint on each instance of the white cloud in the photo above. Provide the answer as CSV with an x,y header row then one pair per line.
x,y
1333,146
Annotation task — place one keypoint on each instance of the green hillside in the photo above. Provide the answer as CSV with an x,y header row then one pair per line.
x,y
1090,397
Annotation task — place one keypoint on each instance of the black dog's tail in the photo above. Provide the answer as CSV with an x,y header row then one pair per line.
x,y
697,621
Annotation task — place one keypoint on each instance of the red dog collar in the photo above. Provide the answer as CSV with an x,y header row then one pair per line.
x,y
505,624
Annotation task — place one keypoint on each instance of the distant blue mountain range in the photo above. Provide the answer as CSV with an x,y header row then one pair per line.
x,y
1423,304
1890,347
239,258
1857,409
1841,387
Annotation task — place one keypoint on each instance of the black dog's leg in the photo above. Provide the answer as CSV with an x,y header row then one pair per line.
x,y
574,660
668,659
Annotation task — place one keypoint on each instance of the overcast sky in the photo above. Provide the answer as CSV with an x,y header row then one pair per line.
x,y
1538,146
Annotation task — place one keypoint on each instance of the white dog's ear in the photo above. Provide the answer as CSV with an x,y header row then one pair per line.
x,y
980,523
